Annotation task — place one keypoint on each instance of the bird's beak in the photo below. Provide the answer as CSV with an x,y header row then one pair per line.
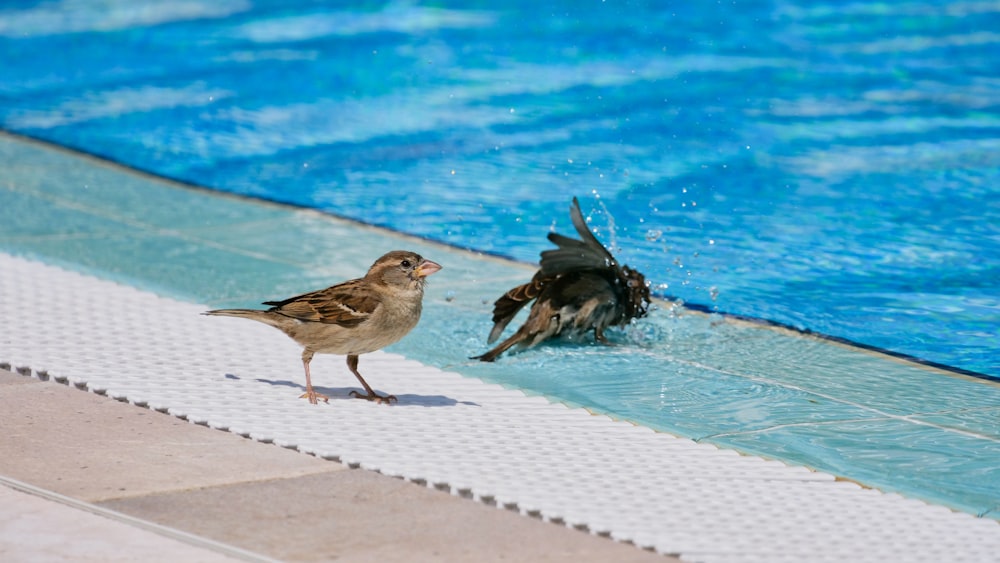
x,y
427,268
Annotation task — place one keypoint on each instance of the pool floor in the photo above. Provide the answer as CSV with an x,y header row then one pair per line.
x,y
860,416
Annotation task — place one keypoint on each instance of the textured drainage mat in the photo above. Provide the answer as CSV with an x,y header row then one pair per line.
x,y
461,435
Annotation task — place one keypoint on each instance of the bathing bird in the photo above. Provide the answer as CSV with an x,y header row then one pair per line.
x,y
351,318
578,288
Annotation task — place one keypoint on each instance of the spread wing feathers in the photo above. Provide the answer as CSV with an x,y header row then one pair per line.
x,y
340,305
507,307
574,255
541,324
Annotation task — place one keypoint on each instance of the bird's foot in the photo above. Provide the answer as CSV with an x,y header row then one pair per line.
x,y
376,398
314,397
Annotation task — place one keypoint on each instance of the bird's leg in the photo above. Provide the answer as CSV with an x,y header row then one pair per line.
x,y
599,335
313,396
352,364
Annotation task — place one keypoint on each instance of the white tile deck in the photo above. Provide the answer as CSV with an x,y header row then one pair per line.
x,y
460,434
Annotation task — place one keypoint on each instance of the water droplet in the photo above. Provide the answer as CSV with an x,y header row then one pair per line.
x,y
653,235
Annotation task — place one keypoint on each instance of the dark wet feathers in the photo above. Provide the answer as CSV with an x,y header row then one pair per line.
x,y
576,255
579,287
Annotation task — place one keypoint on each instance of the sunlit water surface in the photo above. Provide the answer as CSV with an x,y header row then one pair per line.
x,y
831,167
828,166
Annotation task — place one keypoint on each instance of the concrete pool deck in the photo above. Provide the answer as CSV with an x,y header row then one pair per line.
x,y
455,434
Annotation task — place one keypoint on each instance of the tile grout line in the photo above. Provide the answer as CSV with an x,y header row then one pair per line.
x,y
159,529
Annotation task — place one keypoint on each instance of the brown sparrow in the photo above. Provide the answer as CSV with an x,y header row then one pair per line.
x,y
352,318
579,287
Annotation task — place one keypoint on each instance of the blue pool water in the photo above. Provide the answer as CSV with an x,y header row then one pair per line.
x,y
830,166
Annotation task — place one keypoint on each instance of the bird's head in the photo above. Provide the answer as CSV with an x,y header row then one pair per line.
x,y
402,269
636,291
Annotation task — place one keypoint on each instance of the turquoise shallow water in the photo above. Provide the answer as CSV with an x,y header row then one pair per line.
x,y
829,166
871,418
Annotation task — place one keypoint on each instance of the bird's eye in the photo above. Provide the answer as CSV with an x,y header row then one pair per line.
x,y
406,263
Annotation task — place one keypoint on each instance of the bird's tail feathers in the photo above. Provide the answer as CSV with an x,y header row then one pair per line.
x,y
250,313
258,315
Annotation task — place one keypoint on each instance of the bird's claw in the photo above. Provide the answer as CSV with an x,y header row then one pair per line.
x,y
314,397
375,398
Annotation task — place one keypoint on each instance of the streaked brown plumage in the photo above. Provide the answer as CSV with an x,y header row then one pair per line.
x,y
351,318
579,287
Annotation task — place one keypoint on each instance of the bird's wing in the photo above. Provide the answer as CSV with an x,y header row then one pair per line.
x,y
507,307
575,255
347,304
